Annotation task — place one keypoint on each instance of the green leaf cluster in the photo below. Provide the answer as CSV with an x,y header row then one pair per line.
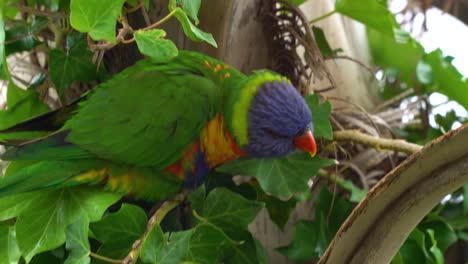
x,y
58,216
312,238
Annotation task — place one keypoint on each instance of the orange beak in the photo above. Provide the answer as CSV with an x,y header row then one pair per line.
x,y
306,142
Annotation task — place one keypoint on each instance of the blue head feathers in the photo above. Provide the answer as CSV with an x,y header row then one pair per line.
x,y
277,115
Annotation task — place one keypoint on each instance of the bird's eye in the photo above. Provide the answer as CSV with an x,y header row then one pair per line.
x,y
302,132
273,134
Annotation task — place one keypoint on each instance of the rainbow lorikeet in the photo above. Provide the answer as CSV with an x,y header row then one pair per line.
x,y
154,124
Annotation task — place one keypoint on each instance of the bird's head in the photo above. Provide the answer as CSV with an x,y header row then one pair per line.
x,y
272,119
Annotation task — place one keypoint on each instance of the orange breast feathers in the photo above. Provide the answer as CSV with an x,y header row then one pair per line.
x,y
218,144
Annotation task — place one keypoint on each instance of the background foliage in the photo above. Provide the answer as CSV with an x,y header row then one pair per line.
x,y
84,224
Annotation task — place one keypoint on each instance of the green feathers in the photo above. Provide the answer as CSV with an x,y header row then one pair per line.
x,y
125,132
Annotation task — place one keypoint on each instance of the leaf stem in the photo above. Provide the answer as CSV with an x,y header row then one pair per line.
x,y
315,20
198,217
164,19
156,219
105,259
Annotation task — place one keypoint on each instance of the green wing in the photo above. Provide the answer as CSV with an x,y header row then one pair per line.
x,y
141,182
146,116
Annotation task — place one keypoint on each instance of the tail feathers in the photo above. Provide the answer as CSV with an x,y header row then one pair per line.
x,y
38,126
53,147
44,174
142,183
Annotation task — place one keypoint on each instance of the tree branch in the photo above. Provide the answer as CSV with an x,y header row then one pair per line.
x,y
156,219
376,142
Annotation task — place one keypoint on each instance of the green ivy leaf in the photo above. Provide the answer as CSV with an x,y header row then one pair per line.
x,y
74,65
197,198
320,117
22,105
206,244
96,17
313,237
58,209
49,257
322,42
128,223
77,241
14,205
278,210
447,79
191,31
443,232
336,209
402,57
152,44
424,72
357,194
153,246
119,230
282,177
249,252
201,244
438,256
446,122
305,240
397,259
21,37
369,12
9,250
190,7
229,211
418,237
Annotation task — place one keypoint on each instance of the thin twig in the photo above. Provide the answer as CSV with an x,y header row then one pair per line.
x,y
376,142
105,259
344,57
156,219
358,171
367,114
37,12
326,89
145,15
395,99
315,20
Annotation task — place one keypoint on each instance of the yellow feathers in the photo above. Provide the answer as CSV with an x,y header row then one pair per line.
x,y
217,144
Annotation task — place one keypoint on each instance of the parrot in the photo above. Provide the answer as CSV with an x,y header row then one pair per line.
x,y
155,127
